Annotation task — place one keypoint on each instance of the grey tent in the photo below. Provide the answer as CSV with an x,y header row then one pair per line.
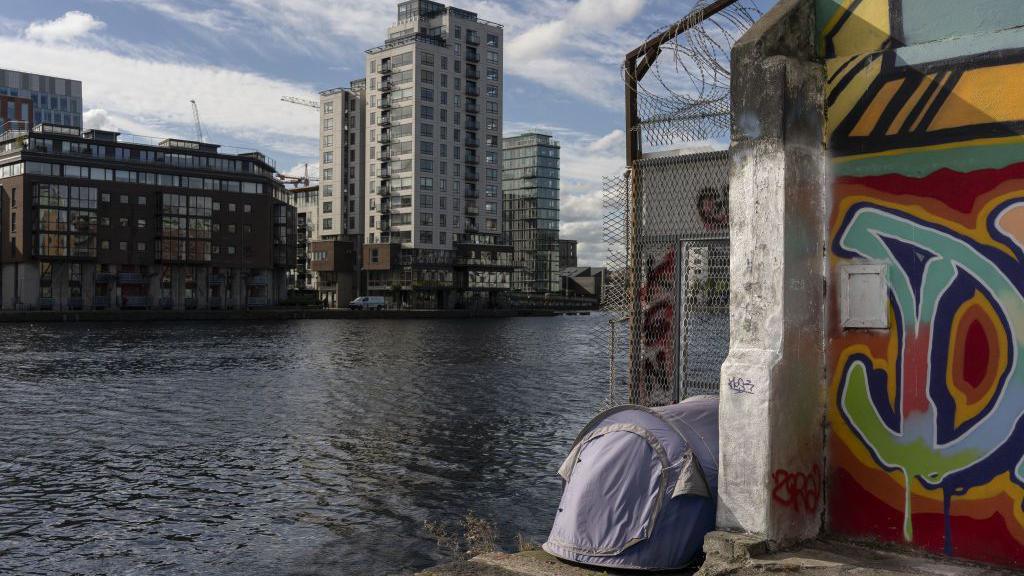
x,y
639,487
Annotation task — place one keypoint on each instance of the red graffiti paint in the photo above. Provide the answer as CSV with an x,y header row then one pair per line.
x,y
798,491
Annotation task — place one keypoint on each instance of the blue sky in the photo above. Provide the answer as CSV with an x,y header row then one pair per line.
x,y
141,62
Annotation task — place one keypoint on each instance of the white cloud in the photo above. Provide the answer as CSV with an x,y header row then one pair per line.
x,y
613,138
71,26
153,95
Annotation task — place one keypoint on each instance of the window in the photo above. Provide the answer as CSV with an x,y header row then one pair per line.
x,y
492,190
216,205
492,140
328,173
124,198
492,74
328,141
140,223
328,224
142,200
427,130
441,219
427,112
492,56
328,206
492,39
231,207
427,148
426,184
123,221
231,249
105,197
122,246
491,208
428,59
426,201
428,77
231,229
328,123
426,237
426,219
492,124
104,244
492,107
427,94
492,91
426,165
328,157
247,228
442,204
491,157
328,108
140,247
247,208
105,221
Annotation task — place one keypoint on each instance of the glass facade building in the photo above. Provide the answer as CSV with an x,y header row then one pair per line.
x,y
530,180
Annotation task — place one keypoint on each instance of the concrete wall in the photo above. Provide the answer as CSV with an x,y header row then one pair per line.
x,y
925,106
772,410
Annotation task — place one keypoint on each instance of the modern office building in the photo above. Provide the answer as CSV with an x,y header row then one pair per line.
x,y
30,99
530,180
95,220
434,118
567,257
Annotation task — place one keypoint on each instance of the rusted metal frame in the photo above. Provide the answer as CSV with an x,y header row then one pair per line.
x,y
634,71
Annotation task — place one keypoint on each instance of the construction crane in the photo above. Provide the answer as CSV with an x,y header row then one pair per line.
x,y
301,102
298,180
199,125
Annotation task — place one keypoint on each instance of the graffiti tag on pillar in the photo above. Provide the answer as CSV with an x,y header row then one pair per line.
x,y
741,385
796,490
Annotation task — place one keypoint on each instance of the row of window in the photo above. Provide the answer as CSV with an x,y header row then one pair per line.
x,y
177,159
145,178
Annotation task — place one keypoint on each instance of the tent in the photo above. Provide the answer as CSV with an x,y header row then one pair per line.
x,y
639,487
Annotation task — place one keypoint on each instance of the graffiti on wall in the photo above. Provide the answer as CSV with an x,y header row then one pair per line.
x,y
797,491
927,418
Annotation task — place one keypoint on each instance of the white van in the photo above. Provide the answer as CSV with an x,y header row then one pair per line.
x,y
367,303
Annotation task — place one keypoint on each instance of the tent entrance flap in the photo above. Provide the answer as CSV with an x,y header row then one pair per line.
x,y
612,496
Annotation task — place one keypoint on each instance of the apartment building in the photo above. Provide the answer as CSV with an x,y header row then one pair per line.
x,y
567,253
306,201
434,118
98,220
342,192
530,180
30,99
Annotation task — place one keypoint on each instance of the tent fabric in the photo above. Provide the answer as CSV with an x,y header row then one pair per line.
x,y
639,487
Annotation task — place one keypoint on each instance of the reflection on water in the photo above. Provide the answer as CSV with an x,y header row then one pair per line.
x,y
311,447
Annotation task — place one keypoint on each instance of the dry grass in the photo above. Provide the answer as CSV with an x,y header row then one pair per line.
x,y
472,536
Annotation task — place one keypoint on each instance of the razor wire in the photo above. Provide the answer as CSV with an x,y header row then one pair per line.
x,y
684,97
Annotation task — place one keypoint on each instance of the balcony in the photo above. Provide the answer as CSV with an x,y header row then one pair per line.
x,y
135,302
472,125
472,176
472,91
215,280
472,143
472,56
472,73
385,67
385,121
385,139
258,280
387,86
385,104
385,175
472,159
472,39
384,190
472,192
472,108
131,278
472,210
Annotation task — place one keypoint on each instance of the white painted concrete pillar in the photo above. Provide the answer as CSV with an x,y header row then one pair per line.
x,y
773,381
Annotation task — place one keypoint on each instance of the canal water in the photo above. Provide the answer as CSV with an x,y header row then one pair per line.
x,y
306,447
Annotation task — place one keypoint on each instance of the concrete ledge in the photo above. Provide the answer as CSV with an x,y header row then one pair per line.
x,y
274,314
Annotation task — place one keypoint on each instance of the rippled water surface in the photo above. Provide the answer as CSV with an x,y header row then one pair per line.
x,y
307,447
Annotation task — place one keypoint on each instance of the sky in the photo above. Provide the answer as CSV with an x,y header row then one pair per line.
x,y
142,61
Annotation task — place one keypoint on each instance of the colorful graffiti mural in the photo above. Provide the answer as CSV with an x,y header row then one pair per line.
x,y
925,117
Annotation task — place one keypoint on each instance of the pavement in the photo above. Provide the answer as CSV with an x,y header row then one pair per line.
x,y
739,555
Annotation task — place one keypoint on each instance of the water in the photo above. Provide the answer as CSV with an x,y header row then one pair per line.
x,y
308,447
